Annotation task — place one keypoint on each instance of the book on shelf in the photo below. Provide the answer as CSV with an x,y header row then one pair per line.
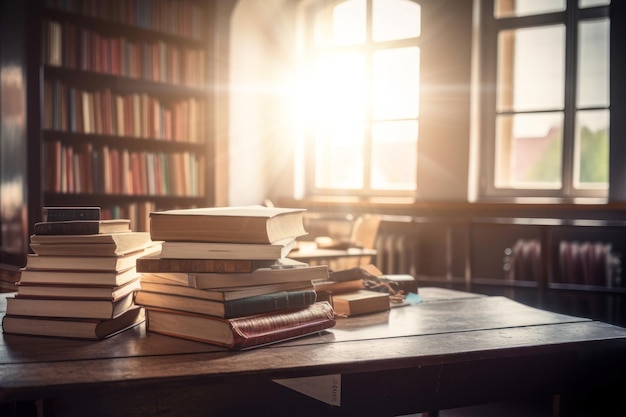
x,y
82,227
243,332
360,302
78,291
105,244
87,263
261,276
61,307
155,284
75,277
264,303
214,250
73,328
59,214
243,224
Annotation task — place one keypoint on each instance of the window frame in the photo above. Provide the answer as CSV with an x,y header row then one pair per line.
x,y
490,28
368,48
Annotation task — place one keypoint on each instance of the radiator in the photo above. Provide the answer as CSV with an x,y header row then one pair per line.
x,y
397,248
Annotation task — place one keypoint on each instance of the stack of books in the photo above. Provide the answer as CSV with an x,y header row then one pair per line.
x,y
364,289
223,277
80,280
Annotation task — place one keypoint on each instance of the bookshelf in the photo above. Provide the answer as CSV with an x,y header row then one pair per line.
x,y
118,111
125,99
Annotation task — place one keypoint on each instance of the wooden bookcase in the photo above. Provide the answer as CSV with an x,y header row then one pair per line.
x,y
119,108
125,99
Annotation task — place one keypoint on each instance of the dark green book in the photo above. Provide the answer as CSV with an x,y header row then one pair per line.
x,y
266,303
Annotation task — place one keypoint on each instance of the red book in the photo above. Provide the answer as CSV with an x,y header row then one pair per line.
x,y
242,332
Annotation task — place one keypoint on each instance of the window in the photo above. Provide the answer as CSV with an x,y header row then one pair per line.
x,y
545,124
359,97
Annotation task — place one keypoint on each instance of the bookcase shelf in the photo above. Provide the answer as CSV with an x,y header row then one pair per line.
x,y
122,90
87,79
558,254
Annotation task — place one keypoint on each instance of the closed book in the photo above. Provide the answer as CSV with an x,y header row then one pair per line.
x,y
155,263
261,276
105,244
60,214
243,332
360,302
245,224
212,250
221,294
110,278
359,272
335,287
73,328
87,263
82,227
78,291
404,283
284,300
58,307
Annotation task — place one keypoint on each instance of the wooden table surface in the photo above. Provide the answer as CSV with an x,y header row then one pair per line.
x,y
453,349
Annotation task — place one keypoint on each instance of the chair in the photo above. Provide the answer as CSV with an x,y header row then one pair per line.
x,y
363,235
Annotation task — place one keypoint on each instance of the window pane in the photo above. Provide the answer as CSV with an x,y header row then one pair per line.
x,y
531,68
339,157
338,92
394,155
591,3
512,8
593,63
395,19
528,150
592,149
396,83
349,23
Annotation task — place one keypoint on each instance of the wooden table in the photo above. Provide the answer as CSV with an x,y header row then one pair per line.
x,y
317,256
453,349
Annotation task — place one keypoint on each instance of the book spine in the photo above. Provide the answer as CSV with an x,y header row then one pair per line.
x,y
60,214
287,300
66,228
265,329
200,265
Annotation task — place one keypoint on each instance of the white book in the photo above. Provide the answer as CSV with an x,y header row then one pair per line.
x,y
214,250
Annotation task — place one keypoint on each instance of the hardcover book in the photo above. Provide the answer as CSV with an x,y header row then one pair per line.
x,y
265,303
360,302
155,263
246,224
105,244
86,309
261,276
78,291
73,328
243,332
213,250
87,263
335,287
82,227
60,214
70,277
150,284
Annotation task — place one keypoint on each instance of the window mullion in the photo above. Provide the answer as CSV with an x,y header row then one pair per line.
x,y
369,81
569,122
